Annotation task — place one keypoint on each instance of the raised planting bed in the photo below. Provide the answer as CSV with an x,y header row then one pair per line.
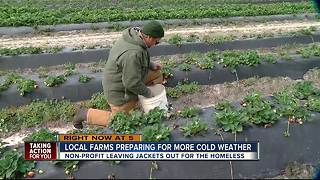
x,y
283,139
123,24
212,68
95,55
33,15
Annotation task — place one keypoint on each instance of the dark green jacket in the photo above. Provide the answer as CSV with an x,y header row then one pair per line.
x,y
126,69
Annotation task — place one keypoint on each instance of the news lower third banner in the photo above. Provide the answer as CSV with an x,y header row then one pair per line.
x,y
130,147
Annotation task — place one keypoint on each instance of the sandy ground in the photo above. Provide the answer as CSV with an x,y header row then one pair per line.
x,y
100,38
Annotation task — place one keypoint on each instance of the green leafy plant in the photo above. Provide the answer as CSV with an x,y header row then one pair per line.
x,y
8,121
156,133
69,69
18,51
184,67
38,112
258,111
41,135
167,65
167,62
305,89
52,81
154,116
98,101
224,105
268,58
313,104
182,88
175,39
166,72
11,78
194,127
25,12
84,78
135,120
231,120
26,86
12,164
192,58
189,112
205,63
290,107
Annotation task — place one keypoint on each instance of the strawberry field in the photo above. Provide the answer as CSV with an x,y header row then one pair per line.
x,y
244,70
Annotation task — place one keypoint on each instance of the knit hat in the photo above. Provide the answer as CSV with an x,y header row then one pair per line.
x,y
153,29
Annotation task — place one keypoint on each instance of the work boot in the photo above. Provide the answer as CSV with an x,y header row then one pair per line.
x,y
79,117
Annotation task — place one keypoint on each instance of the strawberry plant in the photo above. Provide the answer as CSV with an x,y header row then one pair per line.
x,y
156,133
182,88
194,127
231,120
173,92
26,86
84,78
135,120
41,135
290,107
52,81
175,39
205,63
98,101
23,85
313,104
17,51
305,89
167,65
257,110
189,112
38,112
166,72
8,121
12,164
26,13
166,62
192,58
224,105
154,116
69,69
11,78
185,67
268,58
119,123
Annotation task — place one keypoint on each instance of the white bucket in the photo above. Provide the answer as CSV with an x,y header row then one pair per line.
x,y
159,99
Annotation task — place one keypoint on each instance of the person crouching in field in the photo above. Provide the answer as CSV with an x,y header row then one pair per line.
x,y
127,74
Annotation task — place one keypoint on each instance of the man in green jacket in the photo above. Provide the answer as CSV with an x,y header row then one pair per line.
x,y
127,74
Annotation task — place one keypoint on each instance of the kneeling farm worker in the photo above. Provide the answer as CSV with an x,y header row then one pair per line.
x,y
127,74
